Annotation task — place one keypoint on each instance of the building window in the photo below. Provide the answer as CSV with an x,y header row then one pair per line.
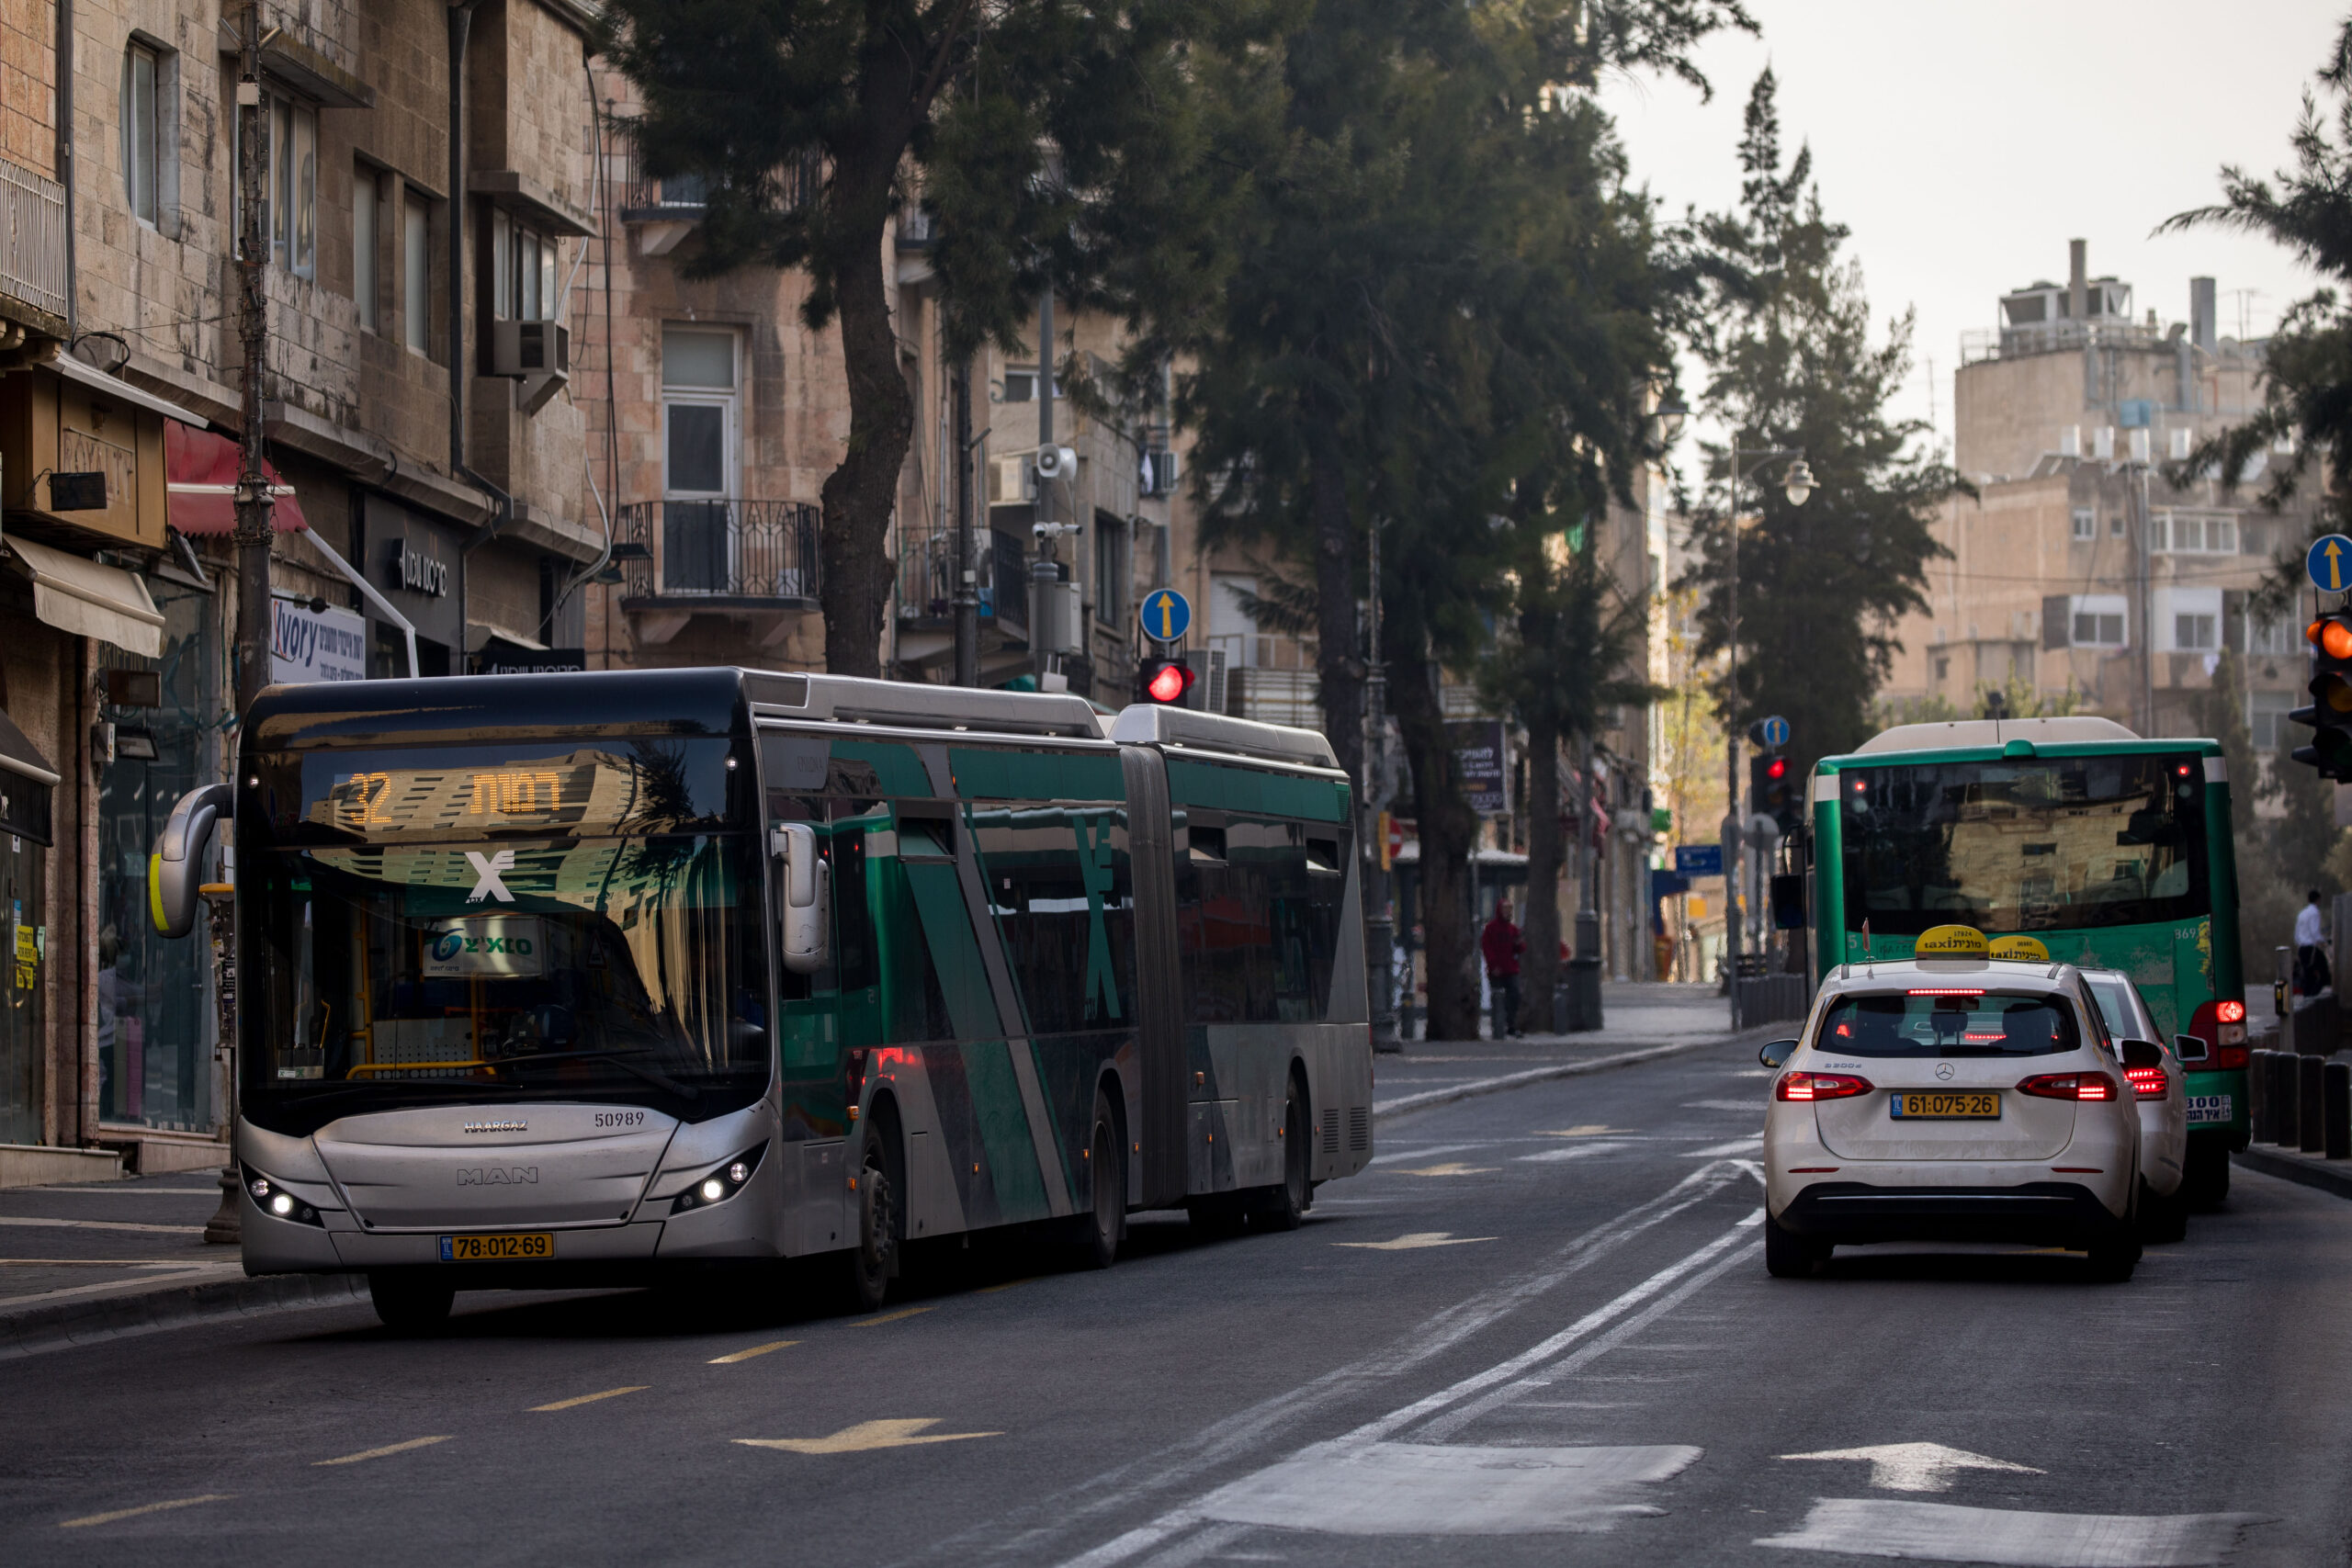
x,y
2194,634
289,183
2266,712
416,272
142,123
1021,385
1943,669
2093,629
2086,523
2193,534
522,266
1110,569
2273,635
699,408
366,268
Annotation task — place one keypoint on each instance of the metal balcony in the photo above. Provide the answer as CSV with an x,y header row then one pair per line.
x,y
681,558
32,238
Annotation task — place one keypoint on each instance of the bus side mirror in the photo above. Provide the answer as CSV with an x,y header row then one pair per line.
x,y
1776,1053
807,882
2189,1047
176,868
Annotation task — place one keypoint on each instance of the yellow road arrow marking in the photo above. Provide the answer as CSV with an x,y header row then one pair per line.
x,y
1450,1169
866,1434
1414,1240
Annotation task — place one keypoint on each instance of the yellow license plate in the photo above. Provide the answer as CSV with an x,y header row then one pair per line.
x,y
1945,1106
502,1247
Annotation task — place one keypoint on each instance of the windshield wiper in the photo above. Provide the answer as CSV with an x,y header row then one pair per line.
x,y
653,1076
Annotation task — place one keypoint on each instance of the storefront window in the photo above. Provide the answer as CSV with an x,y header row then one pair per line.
x,y
24,864
154,1016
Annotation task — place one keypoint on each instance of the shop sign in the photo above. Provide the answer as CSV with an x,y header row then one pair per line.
x,y
1479,757
498,657
323,644
417,571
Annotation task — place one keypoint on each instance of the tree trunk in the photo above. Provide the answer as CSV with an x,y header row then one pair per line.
x,y
1339,662
1447,827
1540,921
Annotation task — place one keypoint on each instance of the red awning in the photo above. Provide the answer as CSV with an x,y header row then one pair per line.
x,y
202,468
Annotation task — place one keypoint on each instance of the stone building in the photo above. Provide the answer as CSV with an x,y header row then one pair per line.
x,y
431,507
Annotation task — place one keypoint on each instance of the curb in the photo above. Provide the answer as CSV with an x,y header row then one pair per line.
x,y
1381,1110
2334,1176
67,1323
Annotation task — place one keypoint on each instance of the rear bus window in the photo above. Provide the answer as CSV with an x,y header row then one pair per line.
x,y
1960,1023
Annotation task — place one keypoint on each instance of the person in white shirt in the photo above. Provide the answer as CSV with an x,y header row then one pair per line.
x,y
2312,975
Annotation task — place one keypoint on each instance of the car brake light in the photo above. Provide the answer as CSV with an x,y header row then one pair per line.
x,y
1820,1086
1946,991
2069,1086
2148,1082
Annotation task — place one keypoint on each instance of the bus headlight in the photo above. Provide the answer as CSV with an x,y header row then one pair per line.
x,y
720,1184
273,1199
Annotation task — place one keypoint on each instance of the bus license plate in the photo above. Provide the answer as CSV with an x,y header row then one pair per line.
x,y
1945,1107
498,1247
2208,1107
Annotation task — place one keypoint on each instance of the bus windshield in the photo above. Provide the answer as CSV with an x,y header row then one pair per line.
x,y
460,937
2025,844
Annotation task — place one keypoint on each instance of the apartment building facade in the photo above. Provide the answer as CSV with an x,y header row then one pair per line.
x,y
2080,572
421,250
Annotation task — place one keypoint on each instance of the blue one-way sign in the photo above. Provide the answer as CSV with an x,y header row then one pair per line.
x,y
1164,614
2330,563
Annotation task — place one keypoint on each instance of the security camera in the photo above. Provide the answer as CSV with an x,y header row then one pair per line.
x,y
1056,463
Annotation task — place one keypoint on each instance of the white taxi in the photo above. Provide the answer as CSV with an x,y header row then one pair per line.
x,y
1958,1096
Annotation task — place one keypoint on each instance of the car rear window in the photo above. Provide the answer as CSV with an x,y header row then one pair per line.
x,y
1948,1023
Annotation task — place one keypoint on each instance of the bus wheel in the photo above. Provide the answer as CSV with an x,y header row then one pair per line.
x,y
1281,1207
877,1257
1099,1241
408,1304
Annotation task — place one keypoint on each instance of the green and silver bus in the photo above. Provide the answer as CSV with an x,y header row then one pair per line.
x,y
573,978
2112,851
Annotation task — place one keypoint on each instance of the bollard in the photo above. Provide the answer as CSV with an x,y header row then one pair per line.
x,y
2258,1101
2283,1083
2264,1081
2337,1093
2311,1128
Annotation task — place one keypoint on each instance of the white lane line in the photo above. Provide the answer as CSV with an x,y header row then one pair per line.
x,y
1176,1521
108,1518
1534,1075
1751,1106
1429,1489
1429,1153
388,1449
29,1220
1573,1151
1004,1537
2013,1538
151,1276
1754,1146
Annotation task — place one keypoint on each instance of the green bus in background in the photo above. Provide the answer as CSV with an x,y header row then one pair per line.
x,y
2112,851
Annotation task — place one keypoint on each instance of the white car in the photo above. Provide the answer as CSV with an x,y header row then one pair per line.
x,y
2162,1094
1952,1097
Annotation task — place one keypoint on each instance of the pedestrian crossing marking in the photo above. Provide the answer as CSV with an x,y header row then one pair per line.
x,y
1413,1240
867,1435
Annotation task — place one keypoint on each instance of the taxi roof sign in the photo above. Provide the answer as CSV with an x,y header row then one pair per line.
x,y
2021,949
1951,942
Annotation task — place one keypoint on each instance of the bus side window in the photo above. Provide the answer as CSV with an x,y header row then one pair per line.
x,y
858,963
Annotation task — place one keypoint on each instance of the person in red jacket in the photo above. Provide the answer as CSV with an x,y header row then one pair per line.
x,y
1501,944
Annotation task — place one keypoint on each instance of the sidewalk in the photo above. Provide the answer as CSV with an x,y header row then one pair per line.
x,y
1637,1018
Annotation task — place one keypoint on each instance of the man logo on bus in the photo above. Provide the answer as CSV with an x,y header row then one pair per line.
x,y
447,946
487,872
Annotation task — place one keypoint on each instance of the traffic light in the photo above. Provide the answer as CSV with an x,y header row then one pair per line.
x,y
1163,681
1774,789
2330,715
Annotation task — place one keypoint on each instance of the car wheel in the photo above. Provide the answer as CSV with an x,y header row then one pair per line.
x,y
1788,1256
2163,1219
1099,1241
1282,1207
408,1304
2206,1182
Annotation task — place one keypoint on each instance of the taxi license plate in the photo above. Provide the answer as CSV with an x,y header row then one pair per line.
x,y
498,1247
1944,1106
2206,1108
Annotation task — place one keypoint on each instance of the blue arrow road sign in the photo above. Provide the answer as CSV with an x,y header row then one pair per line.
x,y
2330,563
1699,860
1776,732
1164,614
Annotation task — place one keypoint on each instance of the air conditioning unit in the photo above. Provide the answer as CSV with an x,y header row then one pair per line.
x,y
1210,690
1013,481
529,348
1161,470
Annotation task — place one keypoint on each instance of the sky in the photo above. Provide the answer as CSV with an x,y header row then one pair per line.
x,y
1966,142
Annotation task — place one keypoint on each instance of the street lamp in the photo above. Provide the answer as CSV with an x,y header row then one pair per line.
x,y
1798,486
1666,422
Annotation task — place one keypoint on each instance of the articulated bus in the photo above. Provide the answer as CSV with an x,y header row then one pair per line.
x,y
2112,851
590,978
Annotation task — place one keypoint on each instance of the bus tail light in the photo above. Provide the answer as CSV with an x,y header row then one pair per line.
x,y
2069,1086
1806,1086
2222,1025
2148,1083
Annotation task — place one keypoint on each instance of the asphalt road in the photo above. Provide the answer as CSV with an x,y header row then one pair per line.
x,y
1538,1331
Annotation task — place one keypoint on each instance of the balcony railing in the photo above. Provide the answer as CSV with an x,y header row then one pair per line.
x,y
681,197
32,237
927,576
719,554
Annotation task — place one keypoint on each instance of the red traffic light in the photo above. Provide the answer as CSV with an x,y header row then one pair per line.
x,y
1777,768
1166,681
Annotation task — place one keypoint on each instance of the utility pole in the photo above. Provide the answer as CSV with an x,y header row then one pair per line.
x,y
254,503
968,573
1380,919
1042,570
